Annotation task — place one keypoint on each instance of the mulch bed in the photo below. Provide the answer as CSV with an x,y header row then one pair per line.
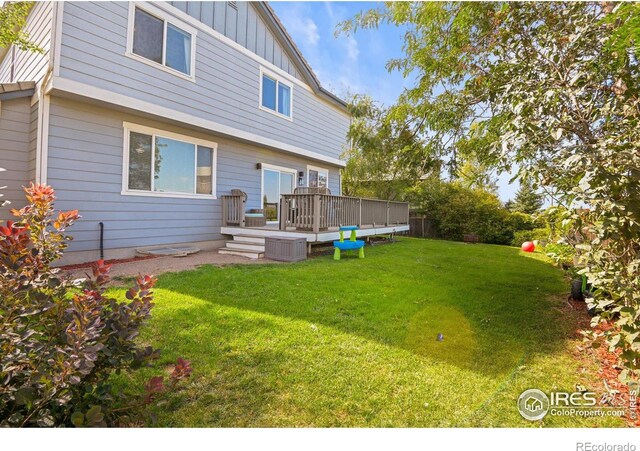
x,y
608,369
110,262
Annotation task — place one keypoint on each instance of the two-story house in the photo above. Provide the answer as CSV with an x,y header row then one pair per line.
x,y
146,115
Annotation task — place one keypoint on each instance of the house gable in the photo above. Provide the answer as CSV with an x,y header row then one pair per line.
x,y
255,26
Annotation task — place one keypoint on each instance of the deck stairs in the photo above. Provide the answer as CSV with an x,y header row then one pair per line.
x,y
244,246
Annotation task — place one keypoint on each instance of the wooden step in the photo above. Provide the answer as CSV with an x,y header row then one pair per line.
x,y
242,253
246,246
249,239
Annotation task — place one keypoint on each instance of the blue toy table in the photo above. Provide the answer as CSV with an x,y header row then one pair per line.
x,y
352,244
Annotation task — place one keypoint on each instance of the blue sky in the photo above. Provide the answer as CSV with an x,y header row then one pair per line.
x,y
353,64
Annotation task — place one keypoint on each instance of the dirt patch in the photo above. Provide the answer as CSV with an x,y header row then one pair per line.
x,y
607,362
109,262
153,265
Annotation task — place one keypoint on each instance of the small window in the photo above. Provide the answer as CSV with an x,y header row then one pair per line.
x,y
161,42
178,49
318,178
268,93
147,36
284,99
160,164
276,95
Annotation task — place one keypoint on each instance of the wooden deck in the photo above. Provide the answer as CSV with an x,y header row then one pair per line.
x,y
311,237
317,217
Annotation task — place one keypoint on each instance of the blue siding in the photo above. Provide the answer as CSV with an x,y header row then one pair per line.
x,y
85,168
15,127
227,81
240,24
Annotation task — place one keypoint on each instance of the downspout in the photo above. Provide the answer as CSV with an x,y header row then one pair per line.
x,y
101,240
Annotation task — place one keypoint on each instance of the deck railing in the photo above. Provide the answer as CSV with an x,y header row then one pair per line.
x,y
233,207
316,212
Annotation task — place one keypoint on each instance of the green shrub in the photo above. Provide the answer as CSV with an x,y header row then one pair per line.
x,y
457,210
521,236
60,342
561,253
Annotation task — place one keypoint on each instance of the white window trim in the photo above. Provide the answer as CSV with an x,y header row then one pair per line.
x,y
274,168
278,79
136,128
168,19
319,170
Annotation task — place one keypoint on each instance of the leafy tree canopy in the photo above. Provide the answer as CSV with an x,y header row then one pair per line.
x,y
13,17
475,174
552,89
385,156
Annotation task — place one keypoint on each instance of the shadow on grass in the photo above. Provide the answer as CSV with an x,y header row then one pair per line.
x,y
492,304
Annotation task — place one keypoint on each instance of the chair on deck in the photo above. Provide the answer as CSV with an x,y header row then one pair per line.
x,y
254,217
312,190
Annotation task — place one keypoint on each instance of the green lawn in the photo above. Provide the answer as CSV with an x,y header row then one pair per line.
x,y
353,343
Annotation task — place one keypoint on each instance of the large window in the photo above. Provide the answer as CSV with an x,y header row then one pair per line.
x,y
275,95
157,40
163,163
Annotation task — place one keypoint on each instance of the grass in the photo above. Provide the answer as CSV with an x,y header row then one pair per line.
x,y
353,343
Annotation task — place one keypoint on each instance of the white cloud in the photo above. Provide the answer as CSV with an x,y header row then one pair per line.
x,y
303,29
311,32
352,48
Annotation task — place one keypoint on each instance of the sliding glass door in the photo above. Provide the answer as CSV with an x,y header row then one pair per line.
x,y
275,181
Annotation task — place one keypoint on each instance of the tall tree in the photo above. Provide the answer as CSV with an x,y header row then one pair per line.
x,y
527,200
385,157
552,87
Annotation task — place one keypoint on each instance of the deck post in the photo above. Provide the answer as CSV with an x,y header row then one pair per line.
x,y
284,212
241,212
316,213
224,211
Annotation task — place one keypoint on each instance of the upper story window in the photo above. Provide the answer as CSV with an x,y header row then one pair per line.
x,y
275,94
157,40
166,164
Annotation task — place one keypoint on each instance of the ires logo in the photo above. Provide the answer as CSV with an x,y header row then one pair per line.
x,y
575,399
534,404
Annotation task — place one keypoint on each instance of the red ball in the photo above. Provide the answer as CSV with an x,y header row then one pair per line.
x,y
528,246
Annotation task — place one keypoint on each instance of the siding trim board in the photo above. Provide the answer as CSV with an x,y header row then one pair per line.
x,y
130,127
81,89
42,139
56,37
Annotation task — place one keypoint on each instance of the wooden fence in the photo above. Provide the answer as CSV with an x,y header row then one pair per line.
x,y
421,227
